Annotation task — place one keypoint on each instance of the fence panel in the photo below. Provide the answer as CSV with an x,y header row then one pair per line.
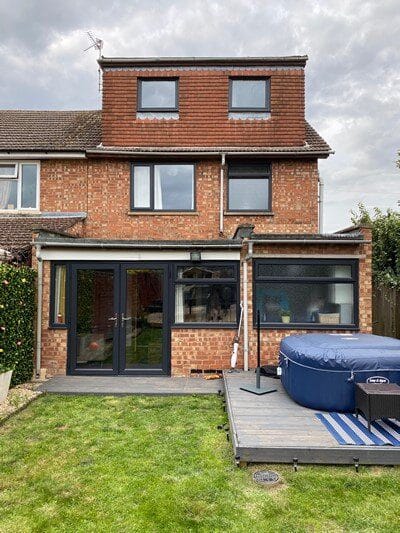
x,y
386,311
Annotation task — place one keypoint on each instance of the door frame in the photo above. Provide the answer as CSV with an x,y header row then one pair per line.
x,y
119,268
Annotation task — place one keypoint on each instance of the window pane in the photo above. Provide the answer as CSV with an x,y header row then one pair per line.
x,y
59,294
29,185
248,194
205,303
173,187
248,94
8,194
245,170
158,94
8,170
201,272
141,187
321,303
304,271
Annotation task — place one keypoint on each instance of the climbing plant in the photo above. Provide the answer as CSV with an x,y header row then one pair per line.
x,y
385,243
17,314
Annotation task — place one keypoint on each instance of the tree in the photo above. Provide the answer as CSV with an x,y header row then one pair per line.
x,y
385,243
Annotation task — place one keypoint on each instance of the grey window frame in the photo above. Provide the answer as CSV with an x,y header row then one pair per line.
x,y
232,175
142,109
202,282
151,165
265,109
354,281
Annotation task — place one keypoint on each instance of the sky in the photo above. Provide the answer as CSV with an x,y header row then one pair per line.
x,y
352,76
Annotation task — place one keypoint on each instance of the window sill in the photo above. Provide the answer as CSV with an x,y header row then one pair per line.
x,y
163,213
249,115
247,213
339,327
58,326
204,325
20,212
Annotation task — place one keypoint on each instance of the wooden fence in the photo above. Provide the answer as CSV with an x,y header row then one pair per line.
x,y
386,311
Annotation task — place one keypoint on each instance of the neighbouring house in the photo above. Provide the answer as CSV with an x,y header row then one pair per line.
x,y
195,188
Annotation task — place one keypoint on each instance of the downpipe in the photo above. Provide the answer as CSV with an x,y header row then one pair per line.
x,y
39,311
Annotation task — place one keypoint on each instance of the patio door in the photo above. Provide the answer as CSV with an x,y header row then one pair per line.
x,y
118,319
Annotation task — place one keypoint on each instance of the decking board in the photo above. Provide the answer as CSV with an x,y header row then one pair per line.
x,y
274,429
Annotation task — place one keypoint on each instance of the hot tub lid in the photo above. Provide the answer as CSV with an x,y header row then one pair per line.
x,y
335,351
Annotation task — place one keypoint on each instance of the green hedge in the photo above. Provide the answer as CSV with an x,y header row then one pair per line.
x,y
17,316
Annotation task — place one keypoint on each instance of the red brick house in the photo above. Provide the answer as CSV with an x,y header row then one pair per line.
x,y
193,190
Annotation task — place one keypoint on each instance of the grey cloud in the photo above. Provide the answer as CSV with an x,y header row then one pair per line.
x,y
353,76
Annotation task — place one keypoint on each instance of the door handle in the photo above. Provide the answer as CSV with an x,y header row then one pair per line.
x,y
125,319
114,319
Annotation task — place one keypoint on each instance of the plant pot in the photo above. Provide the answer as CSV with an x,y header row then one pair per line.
x,y
285,319
5,380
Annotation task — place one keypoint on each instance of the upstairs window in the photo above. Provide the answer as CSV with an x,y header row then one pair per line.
x,y
158,95
19,186
249,95
164,187
249,187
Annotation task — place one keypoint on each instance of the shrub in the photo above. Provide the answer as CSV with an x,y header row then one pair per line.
x,y
17,314
385,244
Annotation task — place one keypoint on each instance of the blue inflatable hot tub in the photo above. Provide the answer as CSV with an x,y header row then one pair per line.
x,y
319,370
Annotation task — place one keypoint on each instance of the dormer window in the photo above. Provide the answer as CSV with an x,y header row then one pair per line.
x,y
19,188
158,95
249,95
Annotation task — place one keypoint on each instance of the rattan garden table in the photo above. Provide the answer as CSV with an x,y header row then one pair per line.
x,y
377,400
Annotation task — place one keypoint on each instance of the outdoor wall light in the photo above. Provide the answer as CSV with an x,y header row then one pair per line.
x,y
195,256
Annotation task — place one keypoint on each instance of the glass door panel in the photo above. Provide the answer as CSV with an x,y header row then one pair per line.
x,y
96,320
143,320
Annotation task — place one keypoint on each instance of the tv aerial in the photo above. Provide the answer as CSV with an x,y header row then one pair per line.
x,y
96,43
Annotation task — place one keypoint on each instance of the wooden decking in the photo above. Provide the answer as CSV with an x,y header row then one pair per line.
x,y
274,429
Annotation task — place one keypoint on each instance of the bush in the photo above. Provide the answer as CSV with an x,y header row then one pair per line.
x,y
17,315
385,244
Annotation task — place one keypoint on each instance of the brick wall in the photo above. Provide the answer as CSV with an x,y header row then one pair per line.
x,y
102,189
203,111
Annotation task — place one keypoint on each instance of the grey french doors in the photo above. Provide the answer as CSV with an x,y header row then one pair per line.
x,y
119,322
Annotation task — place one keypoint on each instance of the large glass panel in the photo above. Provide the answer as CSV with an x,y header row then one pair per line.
x,y
8,193
248,94
205,303
60,275
248,194
305,303
143,321
96,326
173,187
28,185
302,270
141,187
158,94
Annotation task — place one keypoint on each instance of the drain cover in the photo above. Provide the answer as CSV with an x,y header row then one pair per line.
x,y
266,477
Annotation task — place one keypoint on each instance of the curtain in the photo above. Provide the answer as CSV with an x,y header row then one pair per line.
x,y
179,308
5,193
158,203
141,186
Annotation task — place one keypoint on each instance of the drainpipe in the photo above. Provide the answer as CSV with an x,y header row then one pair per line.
x,y
221,196
39,311
320,203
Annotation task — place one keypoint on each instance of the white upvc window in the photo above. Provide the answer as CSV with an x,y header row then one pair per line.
x,y
19,185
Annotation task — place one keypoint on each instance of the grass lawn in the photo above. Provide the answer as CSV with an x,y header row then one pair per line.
x,y
84,464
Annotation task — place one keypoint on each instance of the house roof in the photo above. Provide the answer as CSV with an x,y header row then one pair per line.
x,y
352,237
16,230
56,239
67,131
49,130
314,146
273,61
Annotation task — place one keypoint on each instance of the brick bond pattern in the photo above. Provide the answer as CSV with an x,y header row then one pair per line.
x,y
101,189
203,111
